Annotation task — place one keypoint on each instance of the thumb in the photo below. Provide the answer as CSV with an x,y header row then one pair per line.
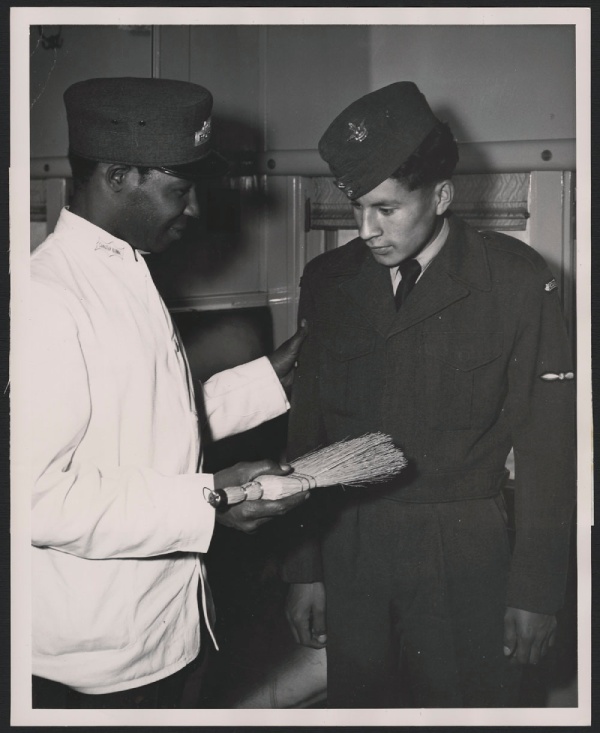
x,y
296,340
278,469
510,635
264,466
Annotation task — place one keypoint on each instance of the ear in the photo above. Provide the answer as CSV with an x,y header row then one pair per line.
x,y
444,194
117,176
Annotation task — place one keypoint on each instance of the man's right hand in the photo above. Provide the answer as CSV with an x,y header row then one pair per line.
x,y
247,516
305,611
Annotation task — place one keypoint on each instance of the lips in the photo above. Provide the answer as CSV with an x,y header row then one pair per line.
x,y
178,231
380,250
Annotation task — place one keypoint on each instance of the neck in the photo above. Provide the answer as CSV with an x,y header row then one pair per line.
x,y
88,207
437,228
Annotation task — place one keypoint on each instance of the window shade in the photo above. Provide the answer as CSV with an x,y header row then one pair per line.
x,y
487,201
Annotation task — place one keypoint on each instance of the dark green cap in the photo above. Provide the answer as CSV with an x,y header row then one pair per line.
x,y
370,139
157,123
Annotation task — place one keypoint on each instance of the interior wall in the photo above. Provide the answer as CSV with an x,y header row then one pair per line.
x,y
85,52
226,59
491,83
311,73
278,87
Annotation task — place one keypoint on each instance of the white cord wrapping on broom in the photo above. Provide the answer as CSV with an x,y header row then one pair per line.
x,y
370,459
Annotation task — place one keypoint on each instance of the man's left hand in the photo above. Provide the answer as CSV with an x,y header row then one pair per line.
x,y
527,635
283,359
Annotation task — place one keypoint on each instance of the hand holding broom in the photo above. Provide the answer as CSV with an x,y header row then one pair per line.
x,y
248,516
370,459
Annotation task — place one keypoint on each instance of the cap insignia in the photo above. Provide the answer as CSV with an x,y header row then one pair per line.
x,y
357,132
202,135
550,285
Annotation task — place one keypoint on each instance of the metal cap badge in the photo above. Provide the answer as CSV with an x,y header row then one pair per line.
x,y
372,137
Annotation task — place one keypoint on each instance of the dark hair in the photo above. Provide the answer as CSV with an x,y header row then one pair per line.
x,y
83,170
434,160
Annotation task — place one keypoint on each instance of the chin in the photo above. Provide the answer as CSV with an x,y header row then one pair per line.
x,y
154,248
160,247
390,259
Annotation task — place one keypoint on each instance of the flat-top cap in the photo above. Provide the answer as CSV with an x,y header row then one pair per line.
x,y
372,137
158,123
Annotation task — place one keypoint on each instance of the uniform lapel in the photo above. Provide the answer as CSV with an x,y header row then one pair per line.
x,y
435,291
460,266
371,290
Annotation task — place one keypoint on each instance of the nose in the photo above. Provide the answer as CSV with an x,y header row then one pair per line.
x,y
191,208
368,226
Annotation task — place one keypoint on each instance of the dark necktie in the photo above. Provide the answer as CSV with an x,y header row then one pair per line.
x,y
410,271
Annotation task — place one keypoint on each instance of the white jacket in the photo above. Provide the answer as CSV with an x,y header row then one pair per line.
x,y
119,517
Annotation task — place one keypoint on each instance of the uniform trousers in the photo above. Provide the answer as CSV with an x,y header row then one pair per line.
x,y
415,605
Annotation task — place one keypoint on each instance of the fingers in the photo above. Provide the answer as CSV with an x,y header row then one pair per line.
x,y
535,649
298,337
544,647
305,612
314,643
294,630
543,640
248,516
319,628
548,643
266,466
277,469
517,643
510,634
301,333
297,613
284,357
273,508
301,631
527,635
246,471
300,628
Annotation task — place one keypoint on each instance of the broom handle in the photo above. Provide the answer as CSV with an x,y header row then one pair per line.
x,y
265,487
223,498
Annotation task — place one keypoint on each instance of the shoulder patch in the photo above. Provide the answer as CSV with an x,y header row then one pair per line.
x,y
551,285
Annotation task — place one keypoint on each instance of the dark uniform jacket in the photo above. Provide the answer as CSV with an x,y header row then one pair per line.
x,y
475,362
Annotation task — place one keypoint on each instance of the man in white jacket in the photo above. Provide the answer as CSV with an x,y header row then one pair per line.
x,y
120,513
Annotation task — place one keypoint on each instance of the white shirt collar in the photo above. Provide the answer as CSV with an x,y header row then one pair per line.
x,y
95,238
426,255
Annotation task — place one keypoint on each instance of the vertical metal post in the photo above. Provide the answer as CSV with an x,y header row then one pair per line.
x,y
155,52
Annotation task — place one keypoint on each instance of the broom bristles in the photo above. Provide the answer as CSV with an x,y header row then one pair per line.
x,y
371,458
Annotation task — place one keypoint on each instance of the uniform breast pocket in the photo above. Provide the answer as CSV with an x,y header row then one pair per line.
x,y
465,379
347,366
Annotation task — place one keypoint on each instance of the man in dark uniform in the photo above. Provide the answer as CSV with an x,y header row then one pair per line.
x,y
412,587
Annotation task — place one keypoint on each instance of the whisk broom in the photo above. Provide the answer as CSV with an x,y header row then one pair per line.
x,y
370,459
